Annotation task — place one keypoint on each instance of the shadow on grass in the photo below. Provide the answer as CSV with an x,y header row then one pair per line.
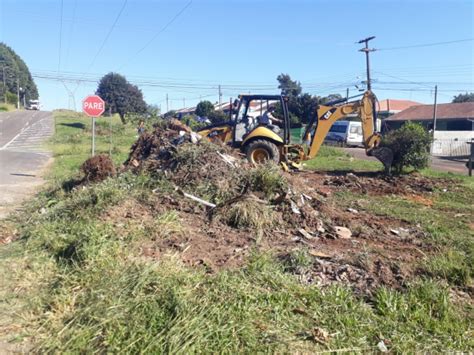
x,y
70,184
74,125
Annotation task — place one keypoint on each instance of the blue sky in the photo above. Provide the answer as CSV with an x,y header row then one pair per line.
x,y
241,45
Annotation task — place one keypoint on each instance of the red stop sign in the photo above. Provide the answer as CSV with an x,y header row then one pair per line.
x,y
93,106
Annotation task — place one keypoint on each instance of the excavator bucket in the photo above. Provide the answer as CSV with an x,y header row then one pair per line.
x,y
385,156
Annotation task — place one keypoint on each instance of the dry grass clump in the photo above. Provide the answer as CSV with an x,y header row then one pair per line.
x,y
98,168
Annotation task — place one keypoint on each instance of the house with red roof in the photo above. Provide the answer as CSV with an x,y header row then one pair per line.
x,y
389,107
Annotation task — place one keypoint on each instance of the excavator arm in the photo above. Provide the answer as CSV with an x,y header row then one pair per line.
x,y
327,115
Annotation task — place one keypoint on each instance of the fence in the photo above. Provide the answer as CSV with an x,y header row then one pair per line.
x,y
453,147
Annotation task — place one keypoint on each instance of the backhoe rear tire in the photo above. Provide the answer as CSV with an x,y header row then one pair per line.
x,y
260,151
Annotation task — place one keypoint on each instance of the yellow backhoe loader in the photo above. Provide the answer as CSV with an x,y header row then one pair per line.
x,y
263,141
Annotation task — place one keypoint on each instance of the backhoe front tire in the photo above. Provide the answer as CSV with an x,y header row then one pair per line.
x,y
261,151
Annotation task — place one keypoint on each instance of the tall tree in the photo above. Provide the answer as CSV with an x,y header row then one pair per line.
x,y
204,108
120,96
467,97
302,106
288,86
17,75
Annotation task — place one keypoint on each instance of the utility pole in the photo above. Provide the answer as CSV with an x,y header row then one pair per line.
x,y
347,94
435,107
367,61
4,86
184,102
18,93
220,95
167,104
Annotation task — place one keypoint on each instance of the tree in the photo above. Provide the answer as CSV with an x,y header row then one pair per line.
x,y
327,99
120,96
16,74
288,86
204,108
467,97
217,117
410,145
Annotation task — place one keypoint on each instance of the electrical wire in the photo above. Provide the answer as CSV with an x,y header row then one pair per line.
x,y
60,35
108,35
152,39
425,44
71,28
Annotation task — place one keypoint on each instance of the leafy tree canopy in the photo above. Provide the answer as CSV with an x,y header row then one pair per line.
x,y
288,87
204,108
120,96
16,72
302,106
467,97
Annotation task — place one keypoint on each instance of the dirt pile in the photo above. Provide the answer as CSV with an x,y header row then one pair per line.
x,y
226,208
98,168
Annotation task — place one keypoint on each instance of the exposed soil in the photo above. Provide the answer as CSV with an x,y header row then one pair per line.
x,y
378,251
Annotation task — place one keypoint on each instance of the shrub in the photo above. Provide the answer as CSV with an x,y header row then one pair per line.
x,y
11,98
193,123
217,117
410,145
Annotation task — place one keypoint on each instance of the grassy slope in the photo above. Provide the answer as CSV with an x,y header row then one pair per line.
x,y
79,286
7,107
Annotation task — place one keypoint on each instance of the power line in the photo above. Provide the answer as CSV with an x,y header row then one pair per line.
x,y
157,34
71,28
108,35
403,79
425,44
60,35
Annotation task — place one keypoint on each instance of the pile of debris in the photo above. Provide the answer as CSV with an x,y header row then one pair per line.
x,y
227,208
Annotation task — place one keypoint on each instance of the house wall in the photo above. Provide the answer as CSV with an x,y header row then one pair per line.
x,y
450,138
452,143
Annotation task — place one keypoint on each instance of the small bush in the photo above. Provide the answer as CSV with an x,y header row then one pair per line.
x,y
193,123
410,145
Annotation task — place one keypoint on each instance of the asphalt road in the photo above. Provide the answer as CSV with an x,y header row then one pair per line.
x,y
22,155
441,164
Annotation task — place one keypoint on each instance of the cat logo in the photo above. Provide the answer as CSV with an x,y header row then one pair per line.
x,y
328,114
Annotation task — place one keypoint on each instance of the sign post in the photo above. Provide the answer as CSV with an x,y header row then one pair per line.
x,y
93,106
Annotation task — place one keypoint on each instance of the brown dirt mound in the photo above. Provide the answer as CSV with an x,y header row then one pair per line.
x,y
298,209
98,168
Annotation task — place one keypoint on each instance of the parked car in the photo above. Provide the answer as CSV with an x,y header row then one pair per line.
x,y
346,133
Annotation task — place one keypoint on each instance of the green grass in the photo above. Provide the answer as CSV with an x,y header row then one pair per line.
x,y
7,107
78,283
71,145
334,159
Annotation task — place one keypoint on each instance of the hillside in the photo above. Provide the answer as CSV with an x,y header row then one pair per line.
x,y
16,72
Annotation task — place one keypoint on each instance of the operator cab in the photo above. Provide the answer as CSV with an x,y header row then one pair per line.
x,y
253,112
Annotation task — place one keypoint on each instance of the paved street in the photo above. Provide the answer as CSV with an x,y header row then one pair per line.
x,y
22,155
440,164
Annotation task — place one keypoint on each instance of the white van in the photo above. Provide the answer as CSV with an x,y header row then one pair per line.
x,y
34,105
346,133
